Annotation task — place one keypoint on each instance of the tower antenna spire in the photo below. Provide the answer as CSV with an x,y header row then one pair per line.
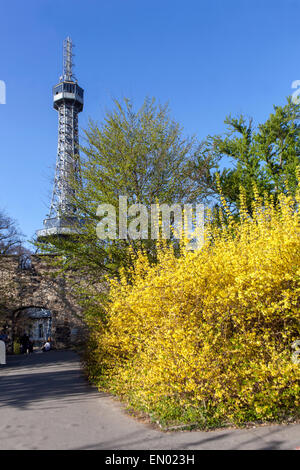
x,y
68,60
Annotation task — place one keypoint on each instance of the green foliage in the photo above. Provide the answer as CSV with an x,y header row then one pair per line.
x,y
141,154
266,157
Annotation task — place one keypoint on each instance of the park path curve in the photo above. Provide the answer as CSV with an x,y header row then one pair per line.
x,y
46,403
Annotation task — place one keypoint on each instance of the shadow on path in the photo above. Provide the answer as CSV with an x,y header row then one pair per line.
x,y
38,359
40,377
229,440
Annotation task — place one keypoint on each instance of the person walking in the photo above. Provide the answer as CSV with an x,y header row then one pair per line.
x,y
25,343
31,345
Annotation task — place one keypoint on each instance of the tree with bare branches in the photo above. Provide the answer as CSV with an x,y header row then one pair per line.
x,y
11,239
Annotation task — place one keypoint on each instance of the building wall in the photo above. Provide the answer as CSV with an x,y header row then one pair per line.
x,y
39,284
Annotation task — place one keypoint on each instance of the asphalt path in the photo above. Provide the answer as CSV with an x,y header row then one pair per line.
x,y
47,404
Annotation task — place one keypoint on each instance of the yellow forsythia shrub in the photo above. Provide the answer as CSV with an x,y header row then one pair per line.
x,y
206,337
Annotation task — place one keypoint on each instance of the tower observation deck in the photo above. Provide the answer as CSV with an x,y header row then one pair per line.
x,y
68,101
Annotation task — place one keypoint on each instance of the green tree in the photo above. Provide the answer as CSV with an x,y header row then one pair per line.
x,y
140,154
266,156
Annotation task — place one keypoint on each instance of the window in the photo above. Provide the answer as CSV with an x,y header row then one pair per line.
x,y
68,87
58,89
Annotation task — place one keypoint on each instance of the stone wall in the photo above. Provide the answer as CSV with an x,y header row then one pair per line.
x,y
38,283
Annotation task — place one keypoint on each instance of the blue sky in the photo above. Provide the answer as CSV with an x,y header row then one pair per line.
x,y
207,58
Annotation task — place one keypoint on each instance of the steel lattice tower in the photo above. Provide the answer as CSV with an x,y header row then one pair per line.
x,y
68,101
